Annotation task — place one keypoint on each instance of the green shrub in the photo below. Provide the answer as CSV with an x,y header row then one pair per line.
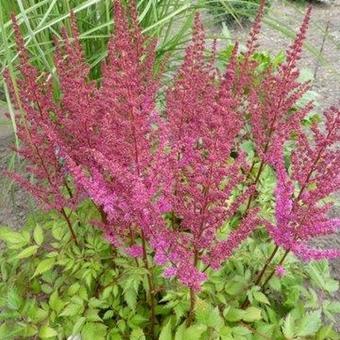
x,y
234,10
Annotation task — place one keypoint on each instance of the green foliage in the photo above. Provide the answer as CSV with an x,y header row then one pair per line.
x,y
234,10
52,289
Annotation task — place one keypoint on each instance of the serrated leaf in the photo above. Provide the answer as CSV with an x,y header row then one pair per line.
x,y
252,314
14,300
56,303
92,315
333,307
137,334
166,332
234,314
289,327
27,252
78,325
260,297
194,332
320,275
58,231
309,324
44,266
93,330
180,332
130,297
240,331
207,315
72,309
108,315
73,289
12,237
38,235
47,332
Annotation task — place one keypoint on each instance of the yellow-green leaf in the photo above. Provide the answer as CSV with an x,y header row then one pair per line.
x,y
166,332
38,235
44,266
47,332
252,314
27,252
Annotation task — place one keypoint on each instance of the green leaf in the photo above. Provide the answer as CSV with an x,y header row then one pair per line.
x,y
56,303
108,315
252,314
92,315
309,324
73,289
166,332
234,314
289,326
58,231
78,325
207,315
130,296
27,252
29,331
44,266
72,309
194,332
93,330
47,332
12,237
137,334
325,332
320,275
38,235
333,307
260,297
180,332
240,331
14,300
233,288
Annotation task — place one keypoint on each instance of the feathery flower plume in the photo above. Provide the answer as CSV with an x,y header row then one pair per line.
x,y
274,115
49,180
42,159
201,174
302,216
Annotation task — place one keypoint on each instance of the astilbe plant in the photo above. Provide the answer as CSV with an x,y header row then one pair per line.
x,y
198,163
165,181
49,183
273,118
301,213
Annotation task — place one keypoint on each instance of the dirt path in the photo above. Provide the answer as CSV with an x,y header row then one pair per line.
x,y
15,203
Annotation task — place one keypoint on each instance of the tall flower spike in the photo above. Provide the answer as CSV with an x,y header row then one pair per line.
x,y
201,173
113,159
315,169
78,117
50,183
273,103
255,30
42,159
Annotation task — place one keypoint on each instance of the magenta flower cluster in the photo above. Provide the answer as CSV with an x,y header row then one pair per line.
x,y
172,173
